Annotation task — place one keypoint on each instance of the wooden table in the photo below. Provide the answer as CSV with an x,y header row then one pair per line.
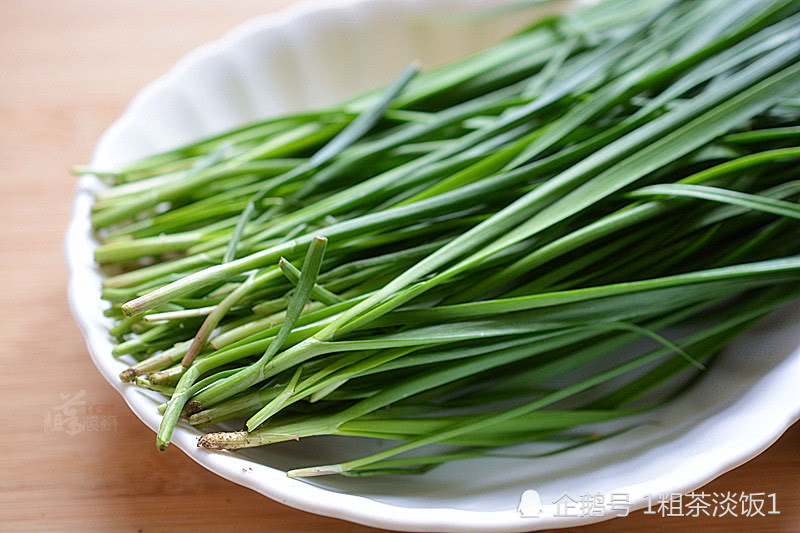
x,y
67,69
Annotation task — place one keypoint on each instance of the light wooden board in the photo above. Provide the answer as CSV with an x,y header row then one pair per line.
x,y
67,69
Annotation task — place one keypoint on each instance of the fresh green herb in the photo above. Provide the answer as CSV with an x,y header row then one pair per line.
x,y
495,225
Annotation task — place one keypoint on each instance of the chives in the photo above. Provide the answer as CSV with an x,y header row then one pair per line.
x,y
469,235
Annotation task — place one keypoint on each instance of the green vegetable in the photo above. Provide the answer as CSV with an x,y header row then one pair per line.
x,y
473,236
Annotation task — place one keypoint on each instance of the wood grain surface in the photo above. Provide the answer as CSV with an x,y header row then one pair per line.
x,y
67,69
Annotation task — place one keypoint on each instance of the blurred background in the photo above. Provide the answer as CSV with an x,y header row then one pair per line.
x,y
72,456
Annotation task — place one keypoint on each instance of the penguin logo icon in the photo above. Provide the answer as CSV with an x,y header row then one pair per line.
x,y
530,505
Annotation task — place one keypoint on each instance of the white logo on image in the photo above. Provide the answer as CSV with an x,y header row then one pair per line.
x,y
530,505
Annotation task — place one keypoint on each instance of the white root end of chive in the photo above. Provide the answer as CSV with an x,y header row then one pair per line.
x,y
179,315
315,471
232,440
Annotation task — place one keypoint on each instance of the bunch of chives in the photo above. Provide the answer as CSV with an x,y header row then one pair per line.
x,y
437,261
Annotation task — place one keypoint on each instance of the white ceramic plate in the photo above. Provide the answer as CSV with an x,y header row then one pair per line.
x,y
315,54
